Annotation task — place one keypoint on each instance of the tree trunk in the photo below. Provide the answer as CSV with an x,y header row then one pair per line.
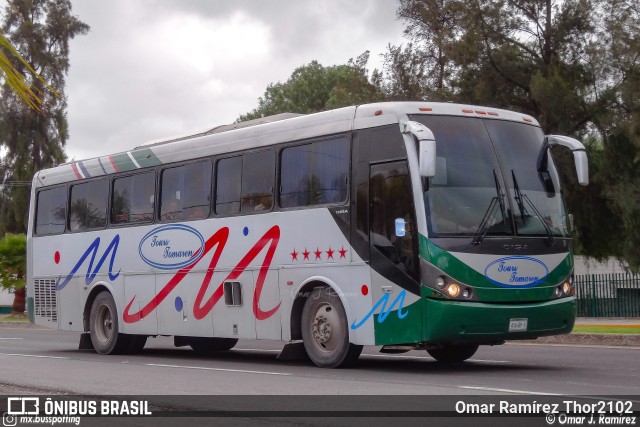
x,y
18,302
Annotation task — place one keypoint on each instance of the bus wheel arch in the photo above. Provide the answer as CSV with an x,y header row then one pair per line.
x,y
307,290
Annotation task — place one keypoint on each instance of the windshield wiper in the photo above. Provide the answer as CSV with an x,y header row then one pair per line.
x,y
521,198
483,228
518,197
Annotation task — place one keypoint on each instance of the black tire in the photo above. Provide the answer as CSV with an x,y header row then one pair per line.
x,y
104,326
453,353
325,331
208,345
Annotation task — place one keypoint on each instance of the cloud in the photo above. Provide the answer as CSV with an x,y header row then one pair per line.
x,y
151,69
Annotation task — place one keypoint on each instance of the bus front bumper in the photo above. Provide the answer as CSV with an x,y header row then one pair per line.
x,y
453,322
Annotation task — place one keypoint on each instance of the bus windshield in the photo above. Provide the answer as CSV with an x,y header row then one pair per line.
x,y
487,180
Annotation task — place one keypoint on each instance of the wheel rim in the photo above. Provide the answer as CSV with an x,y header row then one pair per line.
x,y
325,328
104,324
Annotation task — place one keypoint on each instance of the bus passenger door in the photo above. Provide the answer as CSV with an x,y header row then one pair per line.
x,y
393,254
391,217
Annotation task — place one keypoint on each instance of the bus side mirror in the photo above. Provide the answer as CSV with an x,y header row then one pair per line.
x,y
426,147
427,158
579,155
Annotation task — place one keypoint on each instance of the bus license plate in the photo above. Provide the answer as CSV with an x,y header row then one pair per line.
x,y
517,325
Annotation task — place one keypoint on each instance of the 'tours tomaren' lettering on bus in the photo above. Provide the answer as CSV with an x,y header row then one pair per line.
x,y
171,246
516,271
159,242
168,253
514,277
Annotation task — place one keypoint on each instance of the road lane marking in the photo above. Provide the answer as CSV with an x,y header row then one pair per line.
x,y
242,371
34,355
1,338
508,390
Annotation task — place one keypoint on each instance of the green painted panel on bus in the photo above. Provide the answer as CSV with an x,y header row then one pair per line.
x,y
486,290
396,330
123,162
456,321
145,157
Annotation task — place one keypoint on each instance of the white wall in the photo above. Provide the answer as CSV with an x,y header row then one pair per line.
x,y
585,265
5,297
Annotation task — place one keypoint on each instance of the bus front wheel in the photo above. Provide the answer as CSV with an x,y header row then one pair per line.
x,y
104,326
325,331
453,353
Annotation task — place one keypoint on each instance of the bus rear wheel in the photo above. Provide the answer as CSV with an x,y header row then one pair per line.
x,y
453,353
206,345
325,331
104,326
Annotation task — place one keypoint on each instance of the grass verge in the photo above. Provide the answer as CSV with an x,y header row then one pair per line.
x,y
613,329
10,318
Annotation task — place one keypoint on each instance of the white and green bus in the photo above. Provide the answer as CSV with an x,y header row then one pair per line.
x,y
409,225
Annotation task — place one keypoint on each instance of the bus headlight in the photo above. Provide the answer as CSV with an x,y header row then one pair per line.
x,y
440,282
453,290
566,288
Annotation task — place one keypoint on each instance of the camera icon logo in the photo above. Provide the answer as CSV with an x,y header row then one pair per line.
x,y
9,420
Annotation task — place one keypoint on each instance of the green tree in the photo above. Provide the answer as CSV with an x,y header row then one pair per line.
x,y
40,31
405,71
13,267
313,87
531,55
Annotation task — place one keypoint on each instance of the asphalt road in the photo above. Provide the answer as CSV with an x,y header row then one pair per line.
x,y
47,360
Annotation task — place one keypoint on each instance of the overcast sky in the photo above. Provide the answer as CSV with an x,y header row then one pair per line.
x,y
151,69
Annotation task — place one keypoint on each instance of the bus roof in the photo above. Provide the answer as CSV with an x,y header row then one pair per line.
x,y
260,133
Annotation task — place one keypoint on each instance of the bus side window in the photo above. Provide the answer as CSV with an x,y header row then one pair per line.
x,y
197,190
185,192
88,208
315,174
228,185
170,194
257,181
133,198
51,211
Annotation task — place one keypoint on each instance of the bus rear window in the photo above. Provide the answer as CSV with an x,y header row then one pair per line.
x,y
51,212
